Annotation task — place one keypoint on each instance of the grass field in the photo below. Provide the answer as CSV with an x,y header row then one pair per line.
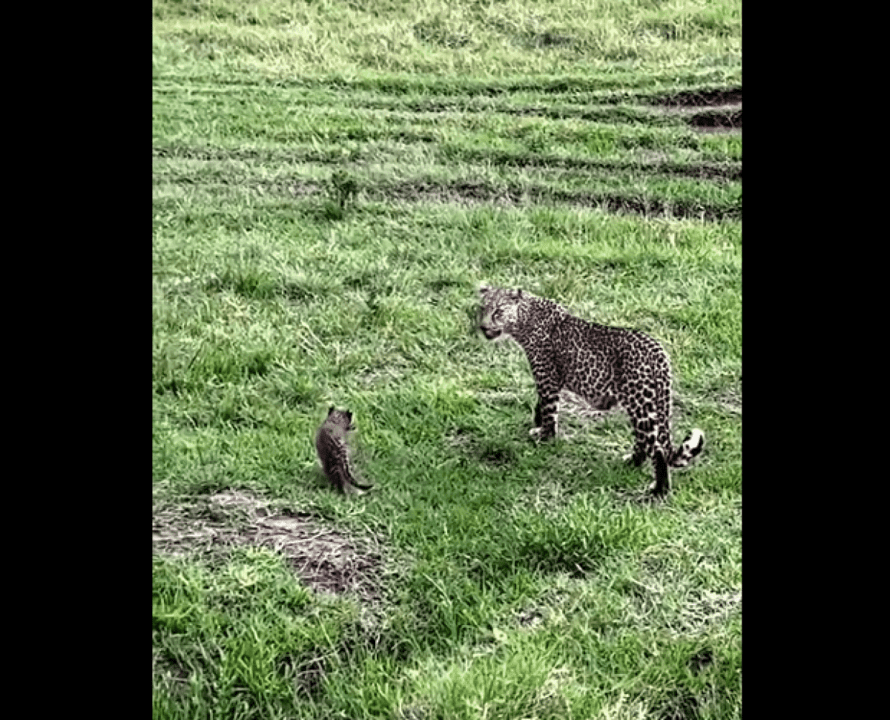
x,y
331,183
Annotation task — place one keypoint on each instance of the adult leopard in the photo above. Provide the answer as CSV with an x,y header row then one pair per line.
x,y
607,366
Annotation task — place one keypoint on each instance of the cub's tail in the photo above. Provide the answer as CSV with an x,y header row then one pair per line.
x,y
341,477
355,484
690,448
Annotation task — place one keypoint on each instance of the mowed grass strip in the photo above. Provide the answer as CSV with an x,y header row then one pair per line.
x,y
467,156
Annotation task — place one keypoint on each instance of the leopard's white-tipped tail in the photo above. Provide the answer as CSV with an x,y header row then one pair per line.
x,y
690,448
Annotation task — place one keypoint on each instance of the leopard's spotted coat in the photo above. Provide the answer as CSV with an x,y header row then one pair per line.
x,y
331,442
606,366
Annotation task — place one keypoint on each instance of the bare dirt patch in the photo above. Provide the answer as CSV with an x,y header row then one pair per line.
x,y
471,192
701,98
661,166
324,559
706,110
724,118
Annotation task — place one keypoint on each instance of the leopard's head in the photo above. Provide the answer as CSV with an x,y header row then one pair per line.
x,y
499,312
341,418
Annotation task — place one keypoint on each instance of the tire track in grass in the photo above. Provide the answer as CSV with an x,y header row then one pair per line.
x,y
574,175
470,192
705,170
723,108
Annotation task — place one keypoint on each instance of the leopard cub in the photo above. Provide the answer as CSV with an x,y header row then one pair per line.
x,y
607,366
331,442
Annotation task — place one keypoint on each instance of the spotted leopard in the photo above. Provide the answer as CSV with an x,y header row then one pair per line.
x,y
607,366
331,442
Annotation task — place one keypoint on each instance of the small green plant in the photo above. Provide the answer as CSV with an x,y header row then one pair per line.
x,y
342,189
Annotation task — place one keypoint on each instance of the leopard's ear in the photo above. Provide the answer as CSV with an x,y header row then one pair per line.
x,y
517,293
330,410
483,288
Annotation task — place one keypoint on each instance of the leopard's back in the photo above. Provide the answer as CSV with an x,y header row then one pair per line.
x,y
610,366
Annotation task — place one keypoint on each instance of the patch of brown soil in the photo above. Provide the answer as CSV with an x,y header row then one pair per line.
x,y
478,191
706,110
729,117
704,170
701,98
323,558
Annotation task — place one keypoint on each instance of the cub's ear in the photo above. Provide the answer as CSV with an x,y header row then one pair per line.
x,y
483,289
349,415
517,293
330,410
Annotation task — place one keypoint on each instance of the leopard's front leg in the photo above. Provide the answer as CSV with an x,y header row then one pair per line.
x,y
547,407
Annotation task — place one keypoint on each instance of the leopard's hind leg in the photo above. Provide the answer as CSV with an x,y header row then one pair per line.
x,y
661,452
662,483
649,442
640,451
644,441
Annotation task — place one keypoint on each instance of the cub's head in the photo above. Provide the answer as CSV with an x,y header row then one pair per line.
x,y
499,313
341,418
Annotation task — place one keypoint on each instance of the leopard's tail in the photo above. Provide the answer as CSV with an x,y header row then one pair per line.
x,y
344,480
691,447
355,484
350,483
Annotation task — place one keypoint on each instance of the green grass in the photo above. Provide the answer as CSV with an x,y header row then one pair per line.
x,y
283,39
331,182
